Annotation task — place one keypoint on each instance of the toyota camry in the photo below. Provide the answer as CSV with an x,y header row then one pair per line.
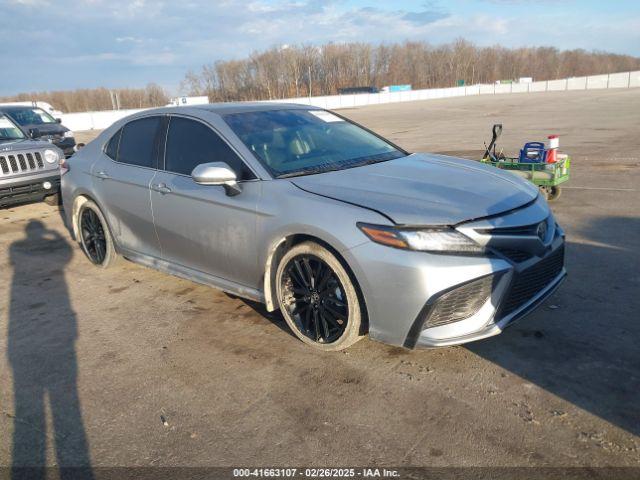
x,y
344,232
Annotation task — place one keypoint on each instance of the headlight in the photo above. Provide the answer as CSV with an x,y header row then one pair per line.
x,y
439,240
51,156
68,134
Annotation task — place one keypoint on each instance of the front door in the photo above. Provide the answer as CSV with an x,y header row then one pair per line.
x,y
200,226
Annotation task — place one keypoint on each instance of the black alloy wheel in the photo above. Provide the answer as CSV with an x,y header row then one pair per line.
x,y
315,298
93,237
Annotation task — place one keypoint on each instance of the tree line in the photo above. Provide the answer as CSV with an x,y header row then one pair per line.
x,y
95,99
297,71
302,70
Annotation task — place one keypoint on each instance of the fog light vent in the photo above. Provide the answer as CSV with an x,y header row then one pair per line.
x,y
460,303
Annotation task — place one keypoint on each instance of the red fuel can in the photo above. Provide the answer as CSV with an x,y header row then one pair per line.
x,y
552,151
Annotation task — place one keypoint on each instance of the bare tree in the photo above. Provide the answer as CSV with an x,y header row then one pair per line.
x,y
295,71
282,72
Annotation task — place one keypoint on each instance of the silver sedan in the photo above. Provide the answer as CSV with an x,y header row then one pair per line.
x,y
344,232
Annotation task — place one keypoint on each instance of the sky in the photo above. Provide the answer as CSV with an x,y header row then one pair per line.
x,y
68,44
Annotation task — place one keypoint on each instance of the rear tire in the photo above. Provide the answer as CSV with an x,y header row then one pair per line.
x,y
94,236
554,193
317,298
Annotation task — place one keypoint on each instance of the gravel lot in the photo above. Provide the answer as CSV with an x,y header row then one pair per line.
x,y
129,366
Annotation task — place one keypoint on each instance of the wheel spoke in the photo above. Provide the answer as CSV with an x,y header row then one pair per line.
x,y
91,219
304,281
99,252
299,291
307,320
325,327
324,280
307,269
316,325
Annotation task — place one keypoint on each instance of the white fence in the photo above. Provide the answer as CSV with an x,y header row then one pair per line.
x,y
101,120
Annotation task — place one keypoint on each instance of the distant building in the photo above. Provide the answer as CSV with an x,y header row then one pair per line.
x,y
184,101
397,88
355,90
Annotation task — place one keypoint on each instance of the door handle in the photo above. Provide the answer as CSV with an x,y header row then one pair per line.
x,y
102,174
160,187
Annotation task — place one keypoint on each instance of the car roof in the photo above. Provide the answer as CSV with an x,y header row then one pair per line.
x,y
12,108
228,107
239,107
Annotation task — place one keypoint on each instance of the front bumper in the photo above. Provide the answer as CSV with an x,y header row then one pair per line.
x,y
28,190
494,326
401,289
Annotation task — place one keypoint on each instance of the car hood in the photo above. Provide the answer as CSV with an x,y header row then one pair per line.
x,y
23,144
424,189
47,128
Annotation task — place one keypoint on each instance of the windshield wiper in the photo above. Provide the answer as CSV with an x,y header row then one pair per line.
x,y
299,173
361,162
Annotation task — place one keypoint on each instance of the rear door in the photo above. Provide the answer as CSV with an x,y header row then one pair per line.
x,y
200,226
122,177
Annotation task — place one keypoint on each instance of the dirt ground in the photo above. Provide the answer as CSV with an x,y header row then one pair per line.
x,y
129,366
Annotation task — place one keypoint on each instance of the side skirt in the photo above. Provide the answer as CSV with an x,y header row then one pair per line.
x,y
194,276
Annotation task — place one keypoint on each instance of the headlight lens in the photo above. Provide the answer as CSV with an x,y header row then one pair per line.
x,y
68,134
438,240
51,156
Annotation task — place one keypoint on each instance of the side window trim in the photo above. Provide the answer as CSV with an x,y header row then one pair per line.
x,y
118,147
162,159
215,131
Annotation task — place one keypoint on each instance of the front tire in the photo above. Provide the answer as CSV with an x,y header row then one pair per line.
x,y
94,236
317,298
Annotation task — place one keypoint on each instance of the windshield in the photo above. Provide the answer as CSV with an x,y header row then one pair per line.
x,y
9,130
301,142
31,116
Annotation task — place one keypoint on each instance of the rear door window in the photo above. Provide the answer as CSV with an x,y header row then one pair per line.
x,y
138,142
191,143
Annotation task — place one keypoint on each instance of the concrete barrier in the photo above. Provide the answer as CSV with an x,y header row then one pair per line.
x,y
101,120
577,83
598,81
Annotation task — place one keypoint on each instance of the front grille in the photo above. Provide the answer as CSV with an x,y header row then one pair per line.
x,y
518,230
20,163
514,255
528,283
461,303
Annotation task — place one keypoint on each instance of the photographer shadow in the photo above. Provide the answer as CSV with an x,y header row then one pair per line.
x,y
42,331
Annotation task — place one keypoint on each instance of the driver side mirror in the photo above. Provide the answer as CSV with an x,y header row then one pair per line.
x,y
217,173
34,133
